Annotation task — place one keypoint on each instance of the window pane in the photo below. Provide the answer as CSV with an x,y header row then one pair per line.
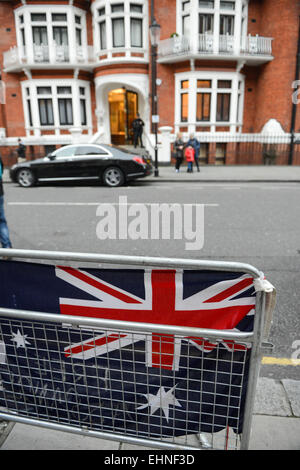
x,y
77,19
136,32
206,4
78,36
38,17
101,11
185,24
102,27
116,8
60,35
66,152
186,5
29,112
46,112
59,17
227,5
203,83
223,106
184,107
185,84
83,112
40,36
203,107
224,83
65,111
90,150
227,24
206,24
136,8
81,90
118,32
64,90
44,90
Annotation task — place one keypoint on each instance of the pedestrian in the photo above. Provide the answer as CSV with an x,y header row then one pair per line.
x,y
21,151
190,156
137,126
178,147
4,233
196,146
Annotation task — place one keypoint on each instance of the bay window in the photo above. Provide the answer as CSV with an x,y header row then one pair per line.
x,y
209,99
119,25
63,103
54,34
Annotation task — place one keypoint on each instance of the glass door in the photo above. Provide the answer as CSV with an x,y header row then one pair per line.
x,y
123,107
131,112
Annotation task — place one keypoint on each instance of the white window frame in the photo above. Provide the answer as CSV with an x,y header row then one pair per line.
x,y
32,96
233,42
108,17
235,114
70,10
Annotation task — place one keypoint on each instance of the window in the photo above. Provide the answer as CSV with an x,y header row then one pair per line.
x,y
209,97
102,27
90,150
206,4
120,25
185,17
227,24
136,29
223,107
65,106
65,152
224,5
184,101
118,32
117,8
46,111
38,17
83,117
59,17
206,23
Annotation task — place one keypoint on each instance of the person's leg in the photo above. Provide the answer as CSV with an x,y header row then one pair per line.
x,y
4,233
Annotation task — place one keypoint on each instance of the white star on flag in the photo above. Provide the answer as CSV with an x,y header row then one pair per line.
x,y
20,339
161,400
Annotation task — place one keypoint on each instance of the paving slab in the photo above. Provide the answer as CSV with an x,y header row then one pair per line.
x,y
292,389
271,399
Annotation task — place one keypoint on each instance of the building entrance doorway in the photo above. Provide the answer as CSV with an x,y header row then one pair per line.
x,y
123,106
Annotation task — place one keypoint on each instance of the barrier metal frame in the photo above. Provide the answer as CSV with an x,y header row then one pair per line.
x,y
256,338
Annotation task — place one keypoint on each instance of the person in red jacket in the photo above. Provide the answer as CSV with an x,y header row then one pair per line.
x,y
190,156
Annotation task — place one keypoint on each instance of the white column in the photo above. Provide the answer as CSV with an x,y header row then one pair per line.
x,y
216,27
238,27
164,149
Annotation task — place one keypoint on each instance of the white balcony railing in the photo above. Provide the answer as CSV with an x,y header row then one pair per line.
x,y
18,57
209,44
176,45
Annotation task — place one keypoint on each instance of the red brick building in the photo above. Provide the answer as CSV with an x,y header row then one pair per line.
x,y
79,70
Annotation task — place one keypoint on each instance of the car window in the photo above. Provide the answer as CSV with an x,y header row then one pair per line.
x,y
90,150
65,152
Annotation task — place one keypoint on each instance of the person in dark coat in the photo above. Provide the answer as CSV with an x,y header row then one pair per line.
x,y
196,146
178,147
4,233
137,126
21,151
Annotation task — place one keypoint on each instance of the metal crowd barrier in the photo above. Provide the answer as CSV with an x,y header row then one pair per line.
x,y
206,404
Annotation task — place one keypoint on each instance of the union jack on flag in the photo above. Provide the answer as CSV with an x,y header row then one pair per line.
x,y
216,307
140,384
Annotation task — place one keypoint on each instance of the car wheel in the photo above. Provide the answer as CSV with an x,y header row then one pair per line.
x,y
113,177
26,178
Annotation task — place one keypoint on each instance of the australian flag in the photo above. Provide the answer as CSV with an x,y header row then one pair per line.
x,y
136,383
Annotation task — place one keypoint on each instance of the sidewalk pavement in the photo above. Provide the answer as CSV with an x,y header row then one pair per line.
x,y
230,173
275,426
222,173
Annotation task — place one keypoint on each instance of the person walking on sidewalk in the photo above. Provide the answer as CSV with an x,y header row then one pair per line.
x,y
190,156
21,151
196,146
4,233
178,149
137,126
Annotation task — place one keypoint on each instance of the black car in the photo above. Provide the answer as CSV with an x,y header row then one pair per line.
x,y
108,164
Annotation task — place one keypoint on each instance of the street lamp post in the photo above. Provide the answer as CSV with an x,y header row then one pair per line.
x,y
154,37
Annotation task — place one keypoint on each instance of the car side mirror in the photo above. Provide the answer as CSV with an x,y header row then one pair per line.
x,y
51,156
